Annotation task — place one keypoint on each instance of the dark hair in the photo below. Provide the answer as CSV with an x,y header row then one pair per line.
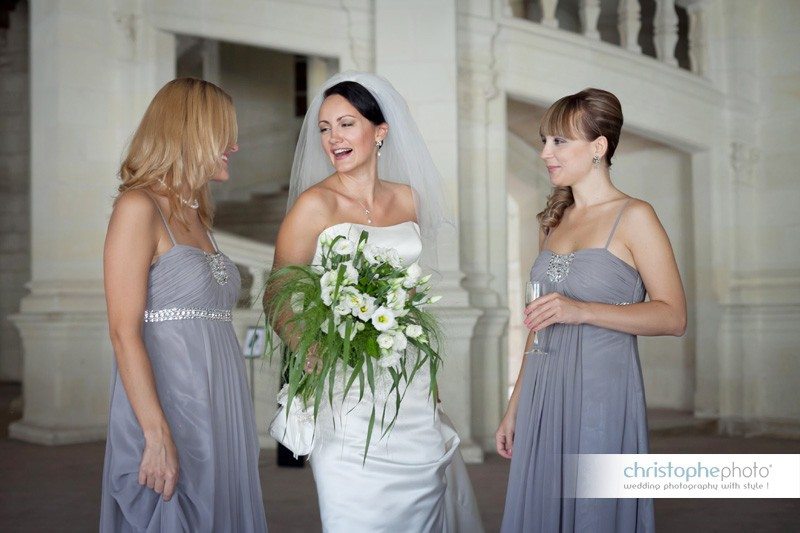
x,y
585,115
360,98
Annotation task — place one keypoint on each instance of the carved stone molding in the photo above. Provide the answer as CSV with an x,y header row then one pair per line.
x,y
744,161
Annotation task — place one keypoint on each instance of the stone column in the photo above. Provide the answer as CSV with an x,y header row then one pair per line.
x,y
14,185
85,101
417,53
483,198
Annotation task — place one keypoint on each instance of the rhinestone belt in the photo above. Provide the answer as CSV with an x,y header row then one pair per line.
x,y
186,313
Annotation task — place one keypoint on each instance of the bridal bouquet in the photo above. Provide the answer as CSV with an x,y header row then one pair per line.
x,y
358,313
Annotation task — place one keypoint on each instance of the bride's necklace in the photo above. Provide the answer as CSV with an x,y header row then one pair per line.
x,y
362,204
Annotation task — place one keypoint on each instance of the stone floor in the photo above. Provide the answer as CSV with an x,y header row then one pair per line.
x,y
58,488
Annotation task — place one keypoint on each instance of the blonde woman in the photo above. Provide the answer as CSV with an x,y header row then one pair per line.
x,y
182,450
581,391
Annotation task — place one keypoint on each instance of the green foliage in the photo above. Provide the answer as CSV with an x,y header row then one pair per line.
x,y
319,311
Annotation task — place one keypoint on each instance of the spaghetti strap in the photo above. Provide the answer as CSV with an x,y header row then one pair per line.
x,y
163,219
213,240
616,222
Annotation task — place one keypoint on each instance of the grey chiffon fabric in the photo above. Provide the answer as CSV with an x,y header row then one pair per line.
x,y
585,396
201,385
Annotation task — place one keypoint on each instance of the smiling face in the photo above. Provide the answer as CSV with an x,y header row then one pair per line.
x,y
567,160
347,136
222,174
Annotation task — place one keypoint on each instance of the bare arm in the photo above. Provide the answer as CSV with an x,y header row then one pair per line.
x,y
131,243
663,314
295,245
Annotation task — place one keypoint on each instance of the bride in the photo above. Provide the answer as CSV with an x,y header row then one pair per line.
x,y
361,164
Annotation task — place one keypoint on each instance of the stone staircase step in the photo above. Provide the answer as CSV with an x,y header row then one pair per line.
x,y
258,218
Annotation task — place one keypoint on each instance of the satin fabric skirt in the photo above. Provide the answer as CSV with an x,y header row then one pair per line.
x,y
413,479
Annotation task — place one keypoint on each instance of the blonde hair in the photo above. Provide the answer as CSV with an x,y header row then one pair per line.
x,y
586,115
179,143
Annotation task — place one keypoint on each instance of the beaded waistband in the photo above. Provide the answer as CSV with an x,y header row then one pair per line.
x,y
186,313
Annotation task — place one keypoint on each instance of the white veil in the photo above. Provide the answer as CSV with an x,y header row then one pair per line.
x,y
404,158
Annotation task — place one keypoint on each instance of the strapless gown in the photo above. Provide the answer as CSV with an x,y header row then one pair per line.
x,y
413,479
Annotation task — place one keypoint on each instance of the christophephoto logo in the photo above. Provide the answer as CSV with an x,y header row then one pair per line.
x,y
688,476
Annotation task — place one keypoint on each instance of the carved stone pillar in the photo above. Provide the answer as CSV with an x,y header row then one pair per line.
x,y
549,13
665,30
629,23
590,13
75,151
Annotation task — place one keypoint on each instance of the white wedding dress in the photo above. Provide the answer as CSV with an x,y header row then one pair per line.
x,y
414,478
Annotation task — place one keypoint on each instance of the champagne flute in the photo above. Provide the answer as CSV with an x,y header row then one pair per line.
x,y
534,290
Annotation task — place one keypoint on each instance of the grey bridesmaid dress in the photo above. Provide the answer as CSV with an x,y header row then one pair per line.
x,y
585,396
203,391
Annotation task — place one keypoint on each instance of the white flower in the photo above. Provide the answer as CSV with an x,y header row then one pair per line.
x,y
327,294
297,302
352,298
434,299
343,247
383,319
366,309
386,340
400,341
393,258
396,299
324,325
374,254
343,327
341,308
326,237
390,360
413,330
350,273
413,272
327,283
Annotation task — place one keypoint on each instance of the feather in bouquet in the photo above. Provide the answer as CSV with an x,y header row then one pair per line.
x,y
360,307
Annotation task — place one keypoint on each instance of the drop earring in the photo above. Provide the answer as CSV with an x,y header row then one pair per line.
x,y
378,145
596,160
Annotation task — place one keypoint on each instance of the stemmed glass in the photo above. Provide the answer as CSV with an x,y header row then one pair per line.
x,y
534,290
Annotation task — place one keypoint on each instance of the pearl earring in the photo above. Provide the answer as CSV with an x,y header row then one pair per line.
x,y
378,145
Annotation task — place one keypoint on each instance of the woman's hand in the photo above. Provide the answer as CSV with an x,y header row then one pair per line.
x,y
553,308
504,436
159,467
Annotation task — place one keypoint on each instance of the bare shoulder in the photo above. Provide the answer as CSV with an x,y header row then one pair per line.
x,y
402,194
640,226
401,190
134,226
312,212
134,207
314,205
638,212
